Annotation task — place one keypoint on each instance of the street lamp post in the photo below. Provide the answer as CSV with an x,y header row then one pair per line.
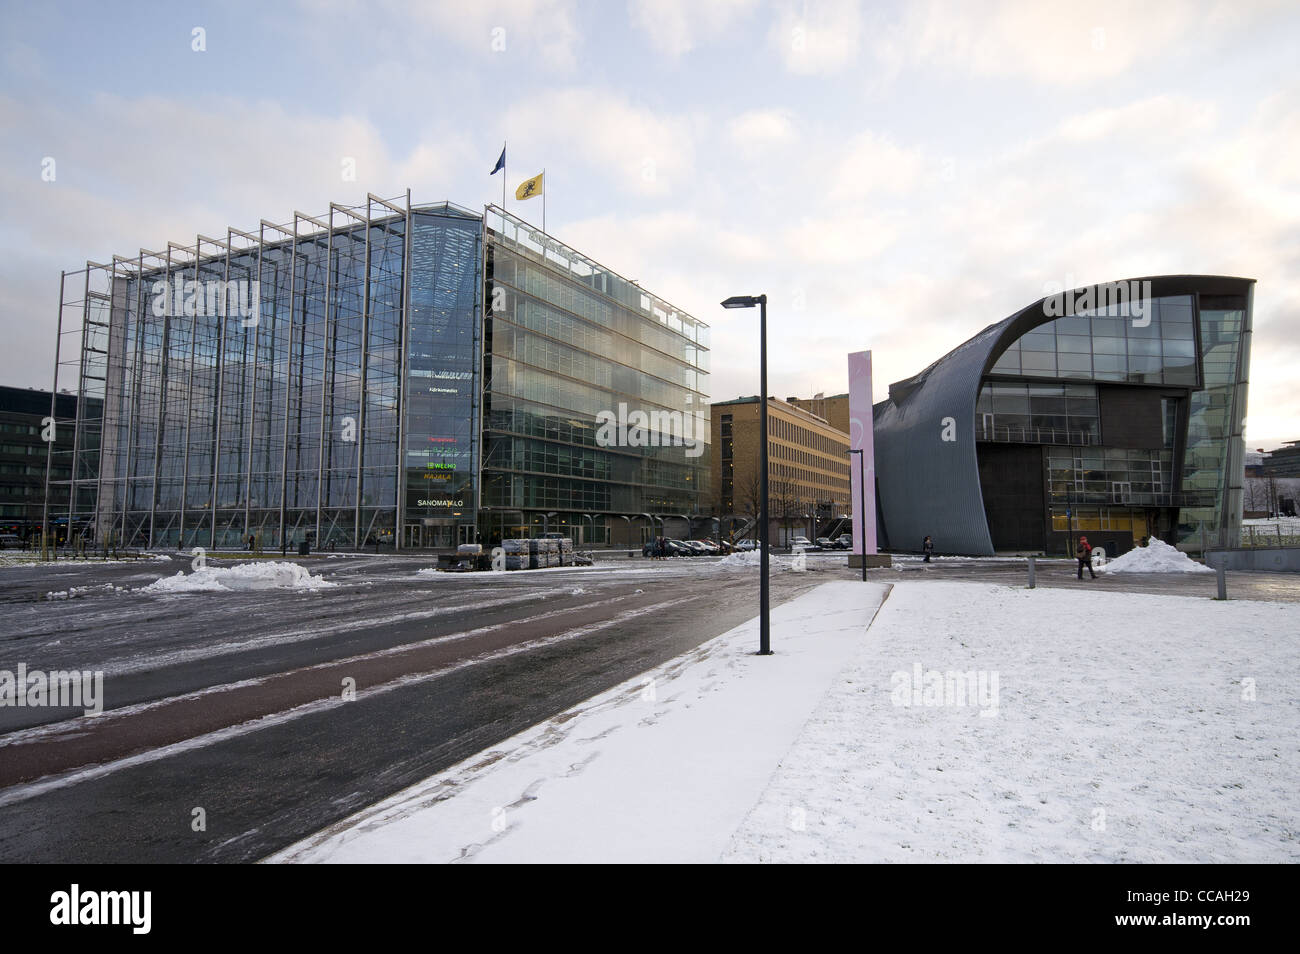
x,y
861,518
764,611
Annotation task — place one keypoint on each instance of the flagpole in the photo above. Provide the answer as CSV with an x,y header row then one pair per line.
x,y
543,198
504,175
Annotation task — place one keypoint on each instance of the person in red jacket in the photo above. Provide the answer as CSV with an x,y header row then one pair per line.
x,y
1084,553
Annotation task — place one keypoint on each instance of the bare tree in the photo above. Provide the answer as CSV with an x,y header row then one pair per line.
x,y
784,500
1257,495
748,494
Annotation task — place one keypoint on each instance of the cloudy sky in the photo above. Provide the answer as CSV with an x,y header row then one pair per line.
x,y
894,176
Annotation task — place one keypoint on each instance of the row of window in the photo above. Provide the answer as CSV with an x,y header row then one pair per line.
x,y
808,478
787,430
808,458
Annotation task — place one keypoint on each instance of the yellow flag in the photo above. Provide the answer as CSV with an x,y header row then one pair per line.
x,y
529,188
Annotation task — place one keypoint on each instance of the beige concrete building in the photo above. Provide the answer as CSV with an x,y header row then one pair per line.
x,y
834,409
808,481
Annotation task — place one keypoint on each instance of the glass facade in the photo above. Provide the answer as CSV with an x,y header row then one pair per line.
x,y
1037,413
444,354
569,341
1195,342
1111,344
257,391
1214,462
330,383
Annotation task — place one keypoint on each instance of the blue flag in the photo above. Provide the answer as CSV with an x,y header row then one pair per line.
x,y
501,163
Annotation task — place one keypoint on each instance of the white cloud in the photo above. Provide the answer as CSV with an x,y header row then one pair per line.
x,y
676,27
761,128
817,36
635,148
546,29
1056,42
870,163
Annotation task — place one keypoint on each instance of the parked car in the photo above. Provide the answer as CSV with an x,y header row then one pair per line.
x,y
802,542
826,543
708,546
845,541
745,546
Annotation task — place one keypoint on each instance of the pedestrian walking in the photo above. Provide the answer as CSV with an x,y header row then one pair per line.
x,y
927,545
1084,553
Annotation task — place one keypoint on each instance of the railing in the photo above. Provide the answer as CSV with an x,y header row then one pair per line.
x,y
1180,498
1269,535
1025,434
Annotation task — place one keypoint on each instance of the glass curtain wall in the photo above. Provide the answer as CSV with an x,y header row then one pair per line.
x,y
1215,458
254,389
567,341
444,356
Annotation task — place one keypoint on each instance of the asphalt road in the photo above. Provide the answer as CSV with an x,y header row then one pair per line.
x,y
229,707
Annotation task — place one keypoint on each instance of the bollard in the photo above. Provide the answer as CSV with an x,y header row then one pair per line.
x,y
1222,574
1032,568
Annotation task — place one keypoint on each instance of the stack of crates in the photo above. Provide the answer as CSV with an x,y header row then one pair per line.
x,y
534,554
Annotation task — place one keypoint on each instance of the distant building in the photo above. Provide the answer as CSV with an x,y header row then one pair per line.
x,y
808,476
23,452
1254,464
1283,462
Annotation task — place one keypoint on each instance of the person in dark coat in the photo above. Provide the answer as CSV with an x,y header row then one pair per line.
x,y
1084,553
928,546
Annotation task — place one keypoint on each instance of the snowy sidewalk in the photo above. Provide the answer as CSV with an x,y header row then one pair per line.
x,y
662,768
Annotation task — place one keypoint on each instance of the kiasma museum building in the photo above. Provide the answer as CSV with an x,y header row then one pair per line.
x,y
1115,410
413,376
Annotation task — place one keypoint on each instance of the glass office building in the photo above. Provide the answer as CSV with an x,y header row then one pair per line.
x,y
384,374
1115,415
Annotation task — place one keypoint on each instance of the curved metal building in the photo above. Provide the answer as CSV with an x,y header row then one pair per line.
x,y
1115,410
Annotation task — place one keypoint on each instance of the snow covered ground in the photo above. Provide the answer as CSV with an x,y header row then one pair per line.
x,y
971,722
1129,728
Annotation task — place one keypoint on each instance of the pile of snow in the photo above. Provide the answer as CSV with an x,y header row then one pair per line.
x,y
751,559
245,576
1156,557
77,591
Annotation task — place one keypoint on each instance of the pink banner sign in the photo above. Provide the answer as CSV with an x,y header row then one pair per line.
x,y
862,465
